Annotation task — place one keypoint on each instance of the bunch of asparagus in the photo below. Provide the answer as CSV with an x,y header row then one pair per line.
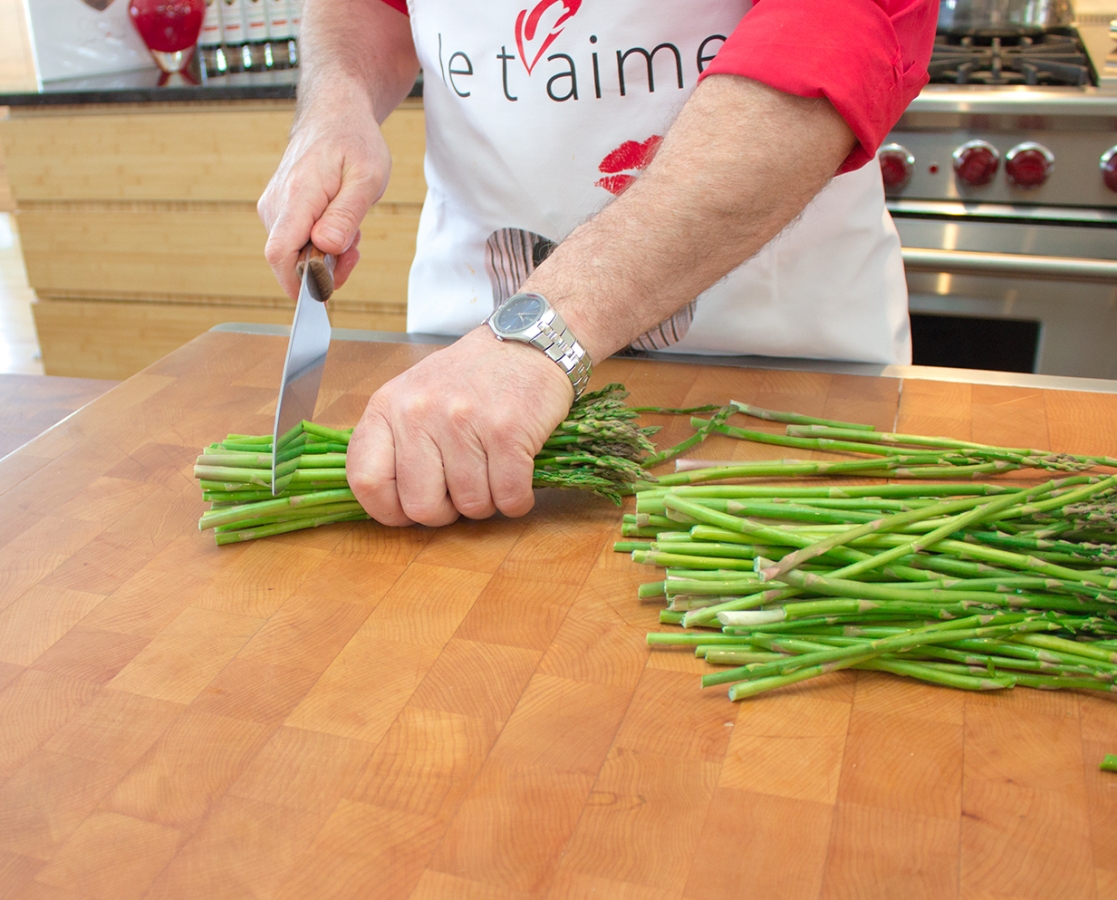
x,y
975,586
598,447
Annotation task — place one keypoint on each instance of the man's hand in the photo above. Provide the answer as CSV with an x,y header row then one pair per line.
x,y
358,64
334,169
457,433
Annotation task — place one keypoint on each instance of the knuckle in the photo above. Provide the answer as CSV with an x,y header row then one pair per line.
x,y
507,420
460,414
364,485
376,498
369,492
516,503
273,253
427,513
416,407
475,506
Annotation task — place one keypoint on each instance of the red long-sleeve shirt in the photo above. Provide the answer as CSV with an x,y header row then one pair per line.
x,y
867,57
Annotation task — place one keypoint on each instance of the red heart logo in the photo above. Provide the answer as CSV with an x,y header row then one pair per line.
x,y
529,34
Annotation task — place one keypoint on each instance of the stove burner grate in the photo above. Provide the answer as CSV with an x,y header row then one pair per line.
x,y
1009,57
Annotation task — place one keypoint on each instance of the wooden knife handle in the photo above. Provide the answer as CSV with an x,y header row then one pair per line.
x,y
321,269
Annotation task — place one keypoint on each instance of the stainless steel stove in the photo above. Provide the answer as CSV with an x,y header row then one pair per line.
x,y
1002,180
1000,57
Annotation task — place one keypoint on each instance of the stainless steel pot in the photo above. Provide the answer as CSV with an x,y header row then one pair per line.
x,y
1029,15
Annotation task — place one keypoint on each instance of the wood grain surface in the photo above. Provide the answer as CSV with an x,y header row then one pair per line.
x,y
472,712
215,151
30,404
7,201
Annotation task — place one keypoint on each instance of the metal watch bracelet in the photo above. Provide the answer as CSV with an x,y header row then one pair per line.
x,y
556,341
550,334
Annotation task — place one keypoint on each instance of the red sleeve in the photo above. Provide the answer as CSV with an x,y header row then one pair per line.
x,y
867,57
398,5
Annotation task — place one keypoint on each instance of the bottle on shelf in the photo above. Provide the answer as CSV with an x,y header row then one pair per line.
x,y
249,36
296,11
233,34
281,34
211,50
257,55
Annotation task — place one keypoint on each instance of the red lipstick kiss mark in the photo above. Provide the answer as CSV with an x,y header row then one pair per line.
x,y
528,32
629,155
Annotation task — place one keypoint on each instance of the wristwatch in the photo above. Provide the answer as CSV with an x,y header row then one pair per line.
x,y
529,318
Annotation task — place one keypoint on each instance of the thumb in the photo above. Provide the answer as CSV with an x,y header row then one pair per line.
x,y
337,227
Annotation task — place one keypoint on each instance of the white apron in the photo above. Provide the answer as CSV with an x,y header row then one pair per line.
x,y
537,115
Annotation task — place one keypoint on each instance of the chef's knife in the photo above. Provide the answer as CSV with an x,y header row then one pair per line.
x,y
306,357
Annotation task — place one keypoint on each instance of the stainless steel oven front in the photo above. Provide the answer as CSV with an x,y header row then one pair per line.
x,y
1005,198
995,288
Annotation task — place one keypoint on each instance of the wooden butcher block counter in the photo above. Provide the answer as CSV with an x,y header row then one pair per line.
x,y
472,712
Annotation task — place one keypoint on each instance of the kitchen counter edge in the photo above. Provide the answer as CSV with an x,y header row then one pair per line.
x,y
278,85
831,367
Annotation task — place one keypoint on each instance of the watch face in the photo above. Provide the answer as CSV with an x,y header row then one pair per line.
x,y
518,313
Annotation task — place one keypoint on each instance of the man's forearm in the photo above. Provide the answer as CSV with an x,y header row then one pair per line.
x,y
741,161
355,50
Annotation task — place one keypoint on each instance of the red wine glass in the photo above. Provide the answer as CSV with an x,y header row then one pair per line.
x,y
170,29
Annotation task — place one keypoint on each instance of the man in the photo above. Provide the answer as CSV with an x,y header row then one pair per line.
x,y
540,118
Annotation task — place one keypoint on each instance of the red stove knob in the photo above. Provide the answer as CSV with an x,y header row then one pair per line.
x,y
1109,168
975,162
1029,164
896,166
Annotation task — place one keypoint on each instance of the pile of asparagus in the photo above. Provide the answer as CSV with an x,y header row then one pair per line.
x,y
970,585
973,585
598,447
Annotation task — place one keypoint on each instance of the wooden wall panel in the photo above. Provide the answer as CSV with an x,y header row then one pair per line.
x,y
216,152
7,201
105,339
139,228
205,249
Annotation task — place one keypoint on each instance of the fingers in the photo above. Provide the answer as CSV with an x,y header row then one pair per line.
x,y
294,200
510,475
370,468
465,463
396,475
338,225
421,483
346,262
456,434
288,236
433,478
329,177
420,486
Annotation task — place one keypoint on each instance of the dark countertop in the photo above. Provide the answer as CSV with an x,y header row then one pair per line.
x,y
142,86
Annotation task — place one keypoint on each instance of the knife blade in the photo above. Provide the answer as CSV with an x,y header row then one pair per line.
x,y
306,358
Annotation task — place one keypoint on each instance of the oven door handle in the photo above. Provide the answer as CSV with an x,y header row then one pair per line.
x,y
1015,265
